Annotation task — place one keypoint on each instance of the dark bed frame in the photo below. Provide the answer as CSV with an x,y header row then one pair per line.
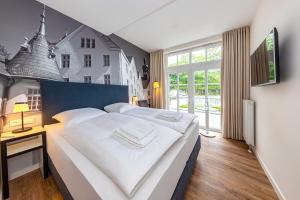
x,y
61,96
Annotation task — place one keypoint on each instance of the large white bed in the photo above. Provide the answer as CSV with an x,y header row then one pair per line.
x,y
85,181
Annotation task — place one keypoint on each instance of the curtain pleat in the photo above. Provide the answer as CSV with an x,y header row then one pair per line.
x,y
235,78
157,96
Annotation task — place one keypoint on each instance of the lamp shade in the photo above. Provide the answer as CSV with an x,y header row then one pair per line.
x,y
134,99
21,107
155,84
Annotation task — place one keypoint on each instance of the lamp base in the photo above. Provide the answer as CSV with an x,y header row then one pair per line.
x,y
20,130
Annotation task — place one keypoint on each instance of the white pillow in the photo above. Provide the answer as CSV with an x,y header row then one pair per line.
x,y
75,116
119,107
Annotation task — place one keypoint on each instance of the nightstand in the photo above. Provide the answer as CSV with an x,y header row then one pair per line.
x,y
17,144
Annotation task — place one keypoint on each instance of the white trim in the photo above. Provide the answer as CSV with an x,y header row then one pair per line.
x,y
194,44
24,171
269,175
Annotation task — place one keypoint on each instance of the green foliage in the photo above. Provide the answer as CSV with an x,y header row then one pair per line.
x,y
270,42
271,71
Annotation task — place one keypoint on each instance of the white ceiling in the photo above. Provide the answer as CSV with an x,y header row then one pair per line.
x,y
159,24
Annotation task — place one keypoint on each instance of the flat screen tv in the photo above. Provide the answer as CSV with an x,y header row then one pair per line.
x,y
265,61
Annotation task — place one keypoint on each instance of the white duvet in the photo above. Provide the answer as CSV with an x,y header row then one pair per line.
x,y
126,165
151,114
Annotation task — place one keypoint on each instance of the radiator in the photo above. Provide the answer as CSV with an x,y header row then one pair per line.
x,y
249,122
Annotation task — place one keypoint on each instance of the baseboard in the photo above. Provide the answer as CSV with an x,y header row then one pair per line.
x,y
24,171
269,175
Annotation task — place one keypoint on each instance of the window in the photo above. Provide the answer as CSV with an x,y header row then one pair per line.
x,y
87,60
82,42
34,99
199,56
183,59
87,79
106,60
88,43
205,54
172,61
93,43
65,60
214,53
107,79
66,79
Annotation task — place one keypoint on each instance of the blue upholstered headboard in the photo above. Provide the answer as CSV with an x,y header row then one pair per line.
x,y
61,96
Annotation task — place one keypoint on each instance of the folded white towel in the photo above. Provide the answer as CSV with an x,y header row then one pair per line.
x,y
136,132
137,143
170,116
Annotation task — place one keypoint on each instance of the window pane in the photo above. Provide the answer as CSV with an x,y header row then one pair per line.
x,y
214,53
214,76
173,92
199,56
183,78
183,59
183,98
172,79
172,61
199,77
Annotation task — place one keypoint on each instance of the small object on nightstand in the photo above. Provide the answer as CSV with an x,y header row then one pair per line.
x,y
13,145
21,107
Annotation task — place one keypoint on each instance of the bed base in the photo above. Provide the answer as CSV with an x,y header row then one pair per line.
x,y
179,190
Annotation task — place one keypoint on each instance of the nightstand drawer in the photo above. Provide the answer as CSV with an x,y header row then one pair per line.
x,y
20,147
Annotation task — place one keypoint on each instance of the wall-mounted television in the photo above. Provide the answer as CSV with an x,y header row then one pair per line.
x,y
265,61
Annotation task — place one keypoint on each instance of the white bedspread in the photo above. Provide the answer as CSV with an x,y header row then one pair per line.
x,y
151,114
126,165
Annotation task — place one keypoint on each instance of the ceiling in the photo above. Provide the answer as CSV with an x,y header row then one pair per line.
x,y
159,24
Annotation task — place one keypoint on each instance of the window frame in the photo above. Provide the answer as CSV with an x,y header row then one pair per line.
x,y
87,79
82,43
88,43
34,99
93,46
107,79
65,60
106,60
87,60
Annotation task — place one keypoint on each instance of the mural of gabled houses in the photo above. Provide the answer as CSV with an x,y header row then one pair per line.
x,y
84,55
88,56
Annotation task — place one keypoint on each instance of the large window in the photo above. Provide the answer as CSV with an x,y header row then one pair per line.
x,y
34,99
65,60
87,60
194,84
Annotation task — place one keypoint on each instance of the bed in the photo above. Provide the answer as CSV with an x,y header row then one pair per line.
x,y
78,178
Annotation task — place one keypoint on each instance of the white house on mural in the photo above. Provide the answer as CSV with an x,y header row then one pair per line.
x,y
88,56
85,55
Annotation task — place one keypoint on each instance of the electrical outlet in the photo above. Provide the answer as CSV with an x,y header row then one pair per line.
x,y
18,122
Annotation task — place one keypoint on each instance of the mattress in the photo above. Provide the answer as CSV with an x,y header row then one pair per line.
x,y
86,181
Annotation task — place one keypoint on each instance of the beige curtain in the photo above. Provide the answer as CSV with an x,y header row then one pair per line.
x,y
157,96
235,78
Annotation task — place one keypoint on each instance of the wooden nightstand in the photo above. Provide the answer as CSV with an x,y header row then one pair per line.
x,y
16,144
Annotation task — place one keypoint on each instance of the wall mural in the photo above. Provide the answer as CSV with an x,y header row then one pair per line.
x,y
80,55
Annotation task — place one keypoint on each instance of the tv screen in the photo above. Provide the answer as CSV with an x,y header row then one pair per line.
x,y
265,61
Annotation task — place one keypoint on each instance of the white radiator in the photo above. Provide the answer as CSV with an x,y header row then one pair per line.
x,y
249,122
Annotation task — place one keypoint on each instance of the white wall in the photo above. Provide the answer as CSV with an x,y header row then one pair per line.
x,y
278,106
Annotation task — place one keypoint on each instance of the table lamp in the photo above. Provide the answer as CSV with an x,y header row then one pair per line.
x,y
134,99
21,107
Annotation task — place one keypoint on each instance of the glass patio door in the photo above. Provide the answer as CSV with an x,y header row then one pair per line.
x,y
207,98
198,92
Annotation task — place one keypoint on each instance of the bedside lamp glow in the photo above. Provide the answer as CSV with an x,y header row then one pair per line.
x,y
155,84
134,99
21,107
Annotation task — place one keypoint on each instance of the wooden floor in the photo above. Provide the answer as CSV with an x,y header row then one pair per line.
x,y
224,170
